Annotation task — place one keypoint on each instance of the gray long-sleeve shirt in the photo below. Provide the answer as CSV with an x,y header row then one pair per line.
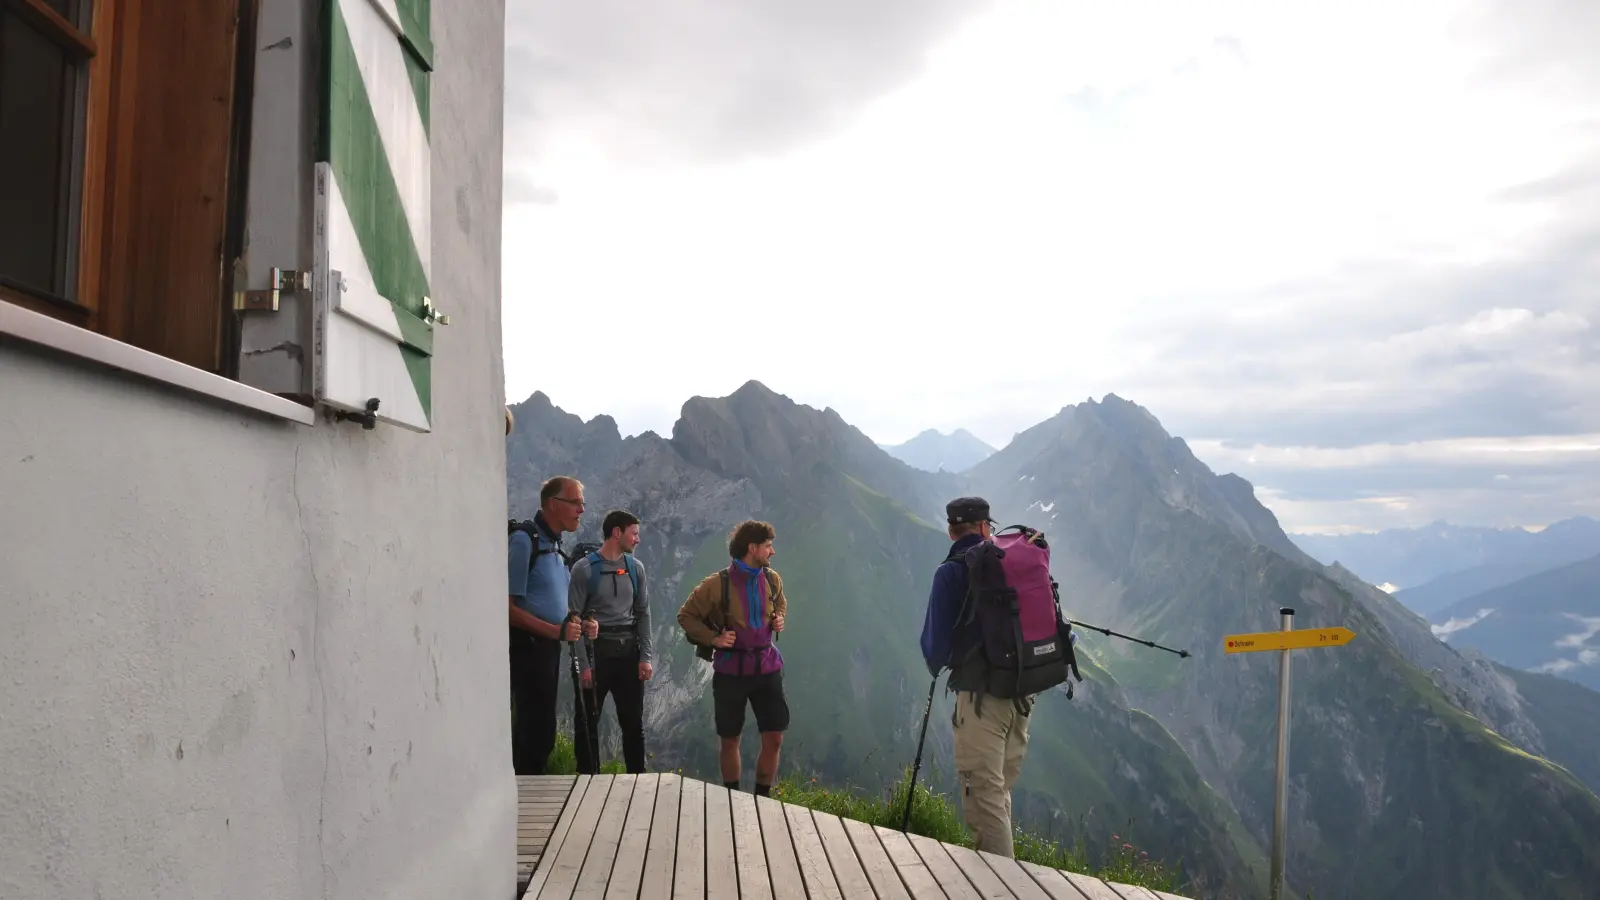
x,y
613,601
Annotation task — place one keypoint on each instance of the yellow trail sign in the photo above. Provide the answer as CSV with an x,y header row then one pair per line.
x,y
1287,640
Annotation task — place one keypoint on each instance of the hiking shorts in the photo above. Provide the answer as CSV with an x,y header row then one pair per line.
x,y
764,693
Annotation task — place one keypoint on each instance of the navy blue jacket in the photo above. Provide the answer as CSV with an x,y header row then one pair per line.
x,y
945,598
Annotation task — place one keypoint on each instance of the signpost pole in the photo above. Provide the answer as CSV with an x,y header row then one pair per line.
x,y
1280,811
1285,641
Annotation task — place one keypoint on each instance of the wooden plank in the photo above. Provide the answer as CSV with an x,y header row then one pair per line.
x,y
722,875
553,844
755,879
888,882
1131,891
689,880
534,834
1016,879
1091,887
596,872
661,857
951,879
815,872
782,864
565,865
919,879
1052,881
983,878
852,879
629,868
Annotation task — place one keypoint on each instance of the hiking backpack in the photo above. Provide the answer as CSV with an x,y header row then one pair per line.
x,y
1021,645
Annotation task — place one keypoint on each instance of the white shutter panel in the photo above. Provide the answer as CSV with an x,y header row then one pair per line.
x,y
373,317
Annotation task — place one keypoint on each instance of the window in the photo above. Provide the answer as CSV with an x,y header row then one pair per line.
x,y
45,54
119,121
130,129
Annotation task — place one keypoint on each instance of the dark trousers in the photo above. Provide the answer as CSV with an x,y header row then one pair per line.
x,y
616,673
535,673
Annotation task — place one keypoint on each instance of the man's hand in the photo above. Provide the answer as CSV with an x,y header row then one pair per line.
x,y
724,640
591,628
777,623
587,678
646,671
571,632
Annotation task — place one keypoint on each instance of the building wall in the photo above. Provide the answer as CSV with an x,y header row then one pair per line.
x,y
247,658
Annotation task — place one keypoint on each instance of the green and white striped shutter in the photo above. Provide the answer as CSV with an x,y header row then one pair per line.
x,y
374,319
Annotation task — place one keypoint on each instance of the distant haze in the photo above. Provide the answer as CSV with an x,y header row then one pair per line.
x,y
934,451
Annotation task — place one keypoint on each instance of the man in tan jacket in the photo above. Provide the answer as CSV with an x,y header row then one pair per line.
x,y
734,616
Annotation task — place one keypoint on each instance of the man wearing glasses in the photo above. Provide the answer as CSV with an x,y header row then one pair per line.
x,y
538,604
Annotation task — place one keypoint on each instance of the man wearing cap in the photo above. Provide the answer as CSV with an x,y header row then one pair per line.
x,y
990,738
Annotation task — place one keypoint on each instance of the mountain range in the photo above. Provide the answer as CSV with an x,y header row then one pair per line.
x,y
1432,567
1441,772
1548,622
935,451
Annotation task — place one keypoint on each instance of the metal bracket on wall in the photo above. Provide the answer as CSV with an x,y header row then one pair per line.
x,y
430,313
283,280
368,419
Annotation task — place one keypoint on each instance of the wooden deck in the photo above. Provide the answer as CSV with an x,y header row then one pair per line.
x,y
665,837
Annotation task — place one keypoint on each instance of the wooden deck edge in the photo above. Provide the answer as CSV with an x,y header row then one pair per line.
x,y
1000,872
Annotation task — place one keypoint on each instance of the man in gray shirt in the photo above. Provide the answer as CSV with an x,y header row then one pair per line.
x,y
607,589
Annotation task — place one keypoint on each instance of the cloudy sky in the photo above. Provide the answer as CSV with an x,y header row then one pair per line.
x,y
1349,250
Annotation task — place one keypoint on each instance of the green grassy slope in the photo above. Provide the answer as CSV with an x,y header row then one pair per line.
x,y
1568,718
1381,763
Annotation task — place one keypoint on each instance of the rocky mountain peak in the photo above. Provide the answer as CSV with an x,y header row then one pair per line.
x,y
754,433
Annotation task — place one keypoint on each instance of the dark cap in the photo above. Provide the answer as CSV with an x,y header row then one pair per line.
x,y
967,509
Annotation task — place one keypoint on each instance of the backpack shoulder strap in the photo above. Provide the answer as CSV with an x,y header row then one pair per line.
x,y
725,601
594,571
540,545
633,574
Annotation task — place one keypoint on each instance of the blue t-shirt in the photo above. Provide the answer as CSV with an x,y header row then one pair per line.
x,y
541,591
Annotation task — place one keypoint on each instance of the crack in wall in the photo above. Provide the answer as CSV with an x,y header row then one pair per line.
x,y
316,666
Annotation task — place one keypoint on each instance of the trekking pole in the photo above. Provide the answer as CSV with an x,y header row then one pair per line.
x,y
1108,632
916,767
579,714
594,696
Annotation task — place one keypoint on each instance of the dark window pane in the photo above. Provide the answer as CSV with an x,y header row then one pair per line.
x,y
36,100
74,11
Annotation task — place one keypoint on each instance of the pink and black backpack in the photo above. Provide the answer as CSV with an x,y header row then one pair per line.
x,y
1021,643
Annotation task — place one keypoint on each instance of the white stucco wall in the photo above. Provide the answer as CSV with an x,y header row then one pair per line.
x,y
245,658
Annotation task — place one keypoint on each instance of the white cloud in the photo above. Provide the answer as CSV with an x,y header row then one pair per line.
x,y
1536,451
1252,217
1460,624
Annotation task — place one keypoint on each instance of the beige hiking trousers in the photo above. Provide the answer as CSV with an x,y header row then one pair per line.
x,y
989,752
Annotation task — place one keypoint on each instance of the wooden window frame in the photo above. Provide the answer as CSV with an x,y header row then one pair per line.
x,y
87,156
115,311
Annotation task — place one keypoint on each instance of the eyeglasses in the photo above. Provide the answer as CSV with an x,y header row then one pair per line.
x,y
568,500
